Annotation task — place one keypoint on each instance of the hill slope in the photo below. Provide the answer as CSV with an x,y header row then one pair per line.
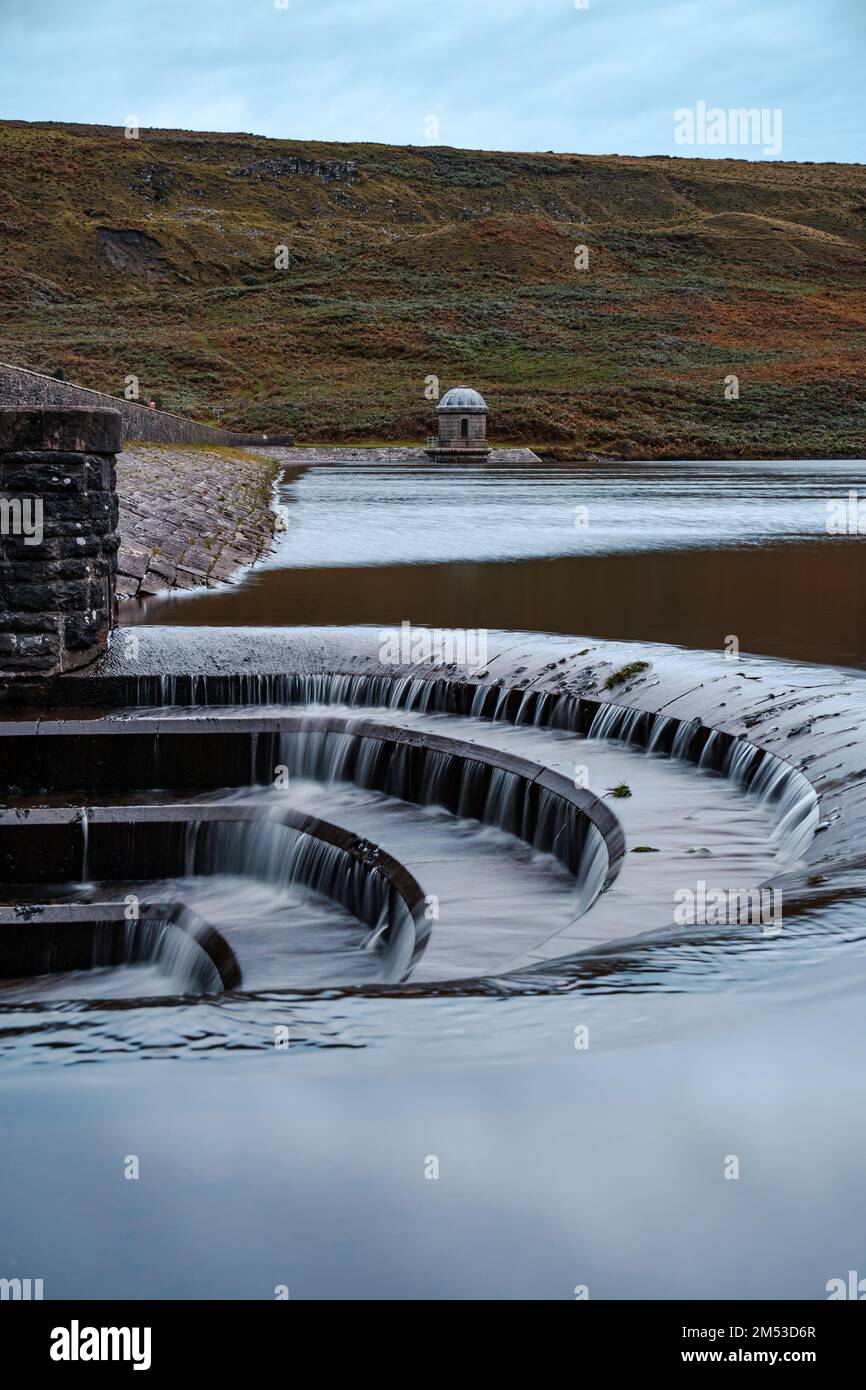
x,y
155,257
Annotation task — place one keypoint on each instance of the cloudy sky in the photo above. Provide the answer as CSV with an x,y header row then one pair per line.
x,y
495,74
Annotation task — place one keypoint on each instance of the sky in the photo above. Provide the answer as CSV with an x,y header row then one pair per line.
x,y
585,76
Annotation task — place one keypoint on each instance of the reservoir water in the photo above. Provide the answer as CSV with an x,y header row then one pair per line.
x,y
581,1131
663,552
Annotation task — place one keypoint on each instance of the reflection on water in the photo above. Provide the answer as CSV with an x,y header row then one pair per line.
x,y
358,514
687,553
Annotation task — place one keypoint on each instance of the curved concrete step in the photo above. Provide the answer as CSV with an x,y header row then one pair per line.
x,y
54,938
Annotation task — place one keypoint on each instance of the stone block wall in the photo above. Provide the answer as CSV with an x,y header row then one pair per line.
x,y
449,429
19,387
58,539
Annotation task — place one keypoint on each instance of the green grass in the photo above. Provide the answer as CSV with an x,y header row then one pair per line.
x,y
452,262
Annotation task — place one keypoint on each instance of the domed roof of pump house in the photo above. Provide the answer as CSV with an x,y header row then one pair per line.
x,y
462,398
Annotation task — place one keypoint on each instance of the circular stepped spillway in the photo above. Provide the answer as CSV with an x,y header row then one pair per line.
x,y
492,807
501,838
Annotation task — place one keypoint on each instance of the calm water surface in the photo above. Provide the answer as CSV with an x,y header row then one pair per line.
x,y
684,553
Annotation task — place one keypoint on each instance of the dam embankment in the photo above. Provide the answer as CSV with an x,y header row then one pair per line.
x,y
190,516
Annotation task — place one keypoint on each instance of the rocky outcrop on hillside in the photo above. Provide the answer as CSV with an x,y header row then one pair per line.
x,y
331,170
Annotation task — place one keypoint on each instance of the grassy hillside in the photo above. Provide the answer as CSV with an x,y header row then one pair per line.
x,y
156,257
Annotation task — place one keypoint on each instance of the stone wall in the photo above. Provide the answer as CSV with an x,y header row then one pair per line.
x,y
190,517
449,429
20,387
58,539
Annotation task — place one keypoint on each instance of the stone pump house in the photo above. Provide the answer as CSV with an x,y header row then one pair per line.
x,y
462,426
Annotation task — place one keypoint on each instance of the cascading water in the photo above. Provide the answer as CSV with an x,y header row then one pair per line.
x,y
710,750
402,765
503,803
684,738
168,688
280,855
190,847
742,760
762,775
158,955
593,869
174,953
468,786
85,843
662,724
616,721
792,799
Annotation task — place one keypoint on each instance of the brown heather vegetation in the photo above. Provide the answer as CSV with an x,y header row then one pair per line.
x,y
156,257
